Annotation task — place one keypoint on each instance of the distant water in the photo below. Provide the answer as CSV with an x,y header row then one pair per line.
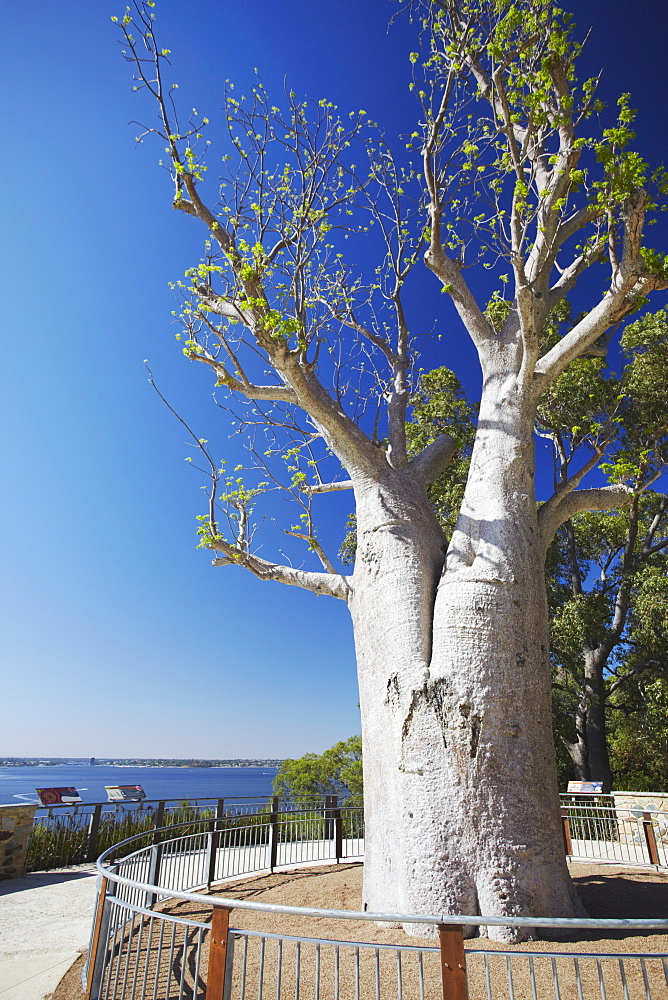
x,y
18,784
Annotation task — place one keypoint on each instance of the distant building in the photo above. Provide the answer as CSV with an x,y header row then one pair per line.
x,y
92,761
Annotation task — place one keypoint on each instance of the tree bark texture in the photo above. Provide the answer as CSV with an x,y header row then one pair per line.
x,y
461,792
597,743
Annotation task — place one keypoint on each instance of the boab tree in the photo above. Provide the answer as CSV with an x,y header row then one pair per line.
x,y
452,646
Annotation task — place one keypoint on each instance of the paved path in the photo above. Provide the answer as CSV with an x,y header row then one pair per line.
x,y
45,921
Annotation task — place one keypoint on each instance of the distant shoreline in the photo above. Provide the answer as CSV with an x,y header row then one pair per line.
x,y
101,762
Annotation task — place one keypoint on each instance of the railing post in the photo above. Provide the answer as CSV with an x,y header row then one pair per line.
x,y
338,831
650,838
219,976
453,962
566,830
156,855
330,804
273,833
214,841
91,849
95,961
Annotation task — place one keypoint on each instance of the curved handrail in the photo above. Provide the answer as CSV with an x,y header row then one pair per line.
x,y
644,924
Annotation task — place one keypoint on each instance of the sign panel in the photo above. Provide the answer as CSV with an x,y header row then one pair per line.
x,y
124,793
589,787
58,796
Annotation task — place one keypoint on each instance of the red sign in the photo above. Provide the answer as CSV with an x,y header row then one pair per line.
x,y
58,796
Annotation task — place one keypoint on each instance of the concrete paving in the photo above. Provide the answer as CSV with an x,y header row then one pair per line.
x,y
45,922
46,917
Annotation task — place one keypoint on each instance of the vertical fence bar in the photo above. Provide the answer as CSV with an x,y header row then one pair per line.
x,y
156,855
453,962
96,955
273,833
566,830
650,838
220,929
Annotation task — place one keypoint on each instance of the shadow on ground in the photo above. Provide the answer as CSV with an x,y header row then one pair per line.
x,y
39,879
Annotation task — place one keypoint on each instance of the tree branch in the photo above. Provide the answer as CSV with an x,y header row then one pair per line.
x,y
608,311
434,459
345,484
330,584
560,508
450,275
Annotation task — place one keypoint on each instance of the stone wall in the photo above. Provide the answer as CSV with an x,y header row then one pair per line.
x,y
638,803
646,801
15,829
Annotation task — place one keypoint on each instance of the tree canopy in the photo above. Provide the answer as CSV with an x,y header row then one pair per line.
x,y
337,771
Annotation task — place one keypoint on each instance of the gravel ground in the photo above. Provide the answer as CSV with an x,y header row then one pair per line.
x,y
607,891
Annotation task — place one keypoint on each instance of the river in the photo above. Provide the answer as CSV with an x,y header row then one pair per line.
x,y
18,784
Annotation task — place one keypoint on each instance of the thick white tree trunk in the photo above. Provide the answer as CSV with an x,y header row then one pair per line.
x,y
400,553
460,780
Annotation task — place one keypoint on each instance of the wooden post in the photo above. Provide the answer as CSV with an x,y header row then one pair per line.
x,y
453,962
566,829
220,928
650,838
273,833
91,850
95,941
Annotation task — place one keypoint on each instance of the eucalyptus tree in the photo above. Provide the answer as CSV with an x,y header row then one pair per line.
x,y
337,771
451,642
607,583
639,739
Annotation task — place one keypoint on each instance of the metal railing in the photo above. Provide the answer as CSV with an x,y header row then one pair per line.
x,y
596,831
142,948
74,834
594,828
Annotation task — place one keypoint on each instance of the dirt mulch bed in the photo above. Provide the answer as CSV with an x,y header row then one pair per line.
x,y
606,891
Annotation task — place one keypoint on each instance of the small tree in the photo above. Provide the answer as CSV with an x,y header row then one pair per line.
x,y
452,646
337,771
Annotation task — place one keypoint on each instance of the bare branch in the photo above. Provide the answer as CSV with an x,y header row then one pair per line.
x,y
434,459
593,325
329,584
317,548
450,275
561,508
345,484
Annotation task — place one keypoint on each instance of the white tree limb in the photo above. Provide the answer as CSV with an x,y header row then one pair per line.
x,y
345,484
590,328
560,508
450,275
329,584
434,459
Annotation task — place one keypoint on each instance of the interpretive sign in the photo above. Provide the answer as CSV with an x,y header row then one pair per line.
x,y
587,787
124,793
58,796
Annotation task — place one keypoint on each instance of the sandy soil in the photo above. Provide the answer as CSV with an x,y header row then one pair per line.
x,y
607,891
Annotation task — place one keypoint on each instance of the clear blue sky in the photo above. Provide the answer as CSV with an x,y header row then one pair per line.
x,y
118,638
